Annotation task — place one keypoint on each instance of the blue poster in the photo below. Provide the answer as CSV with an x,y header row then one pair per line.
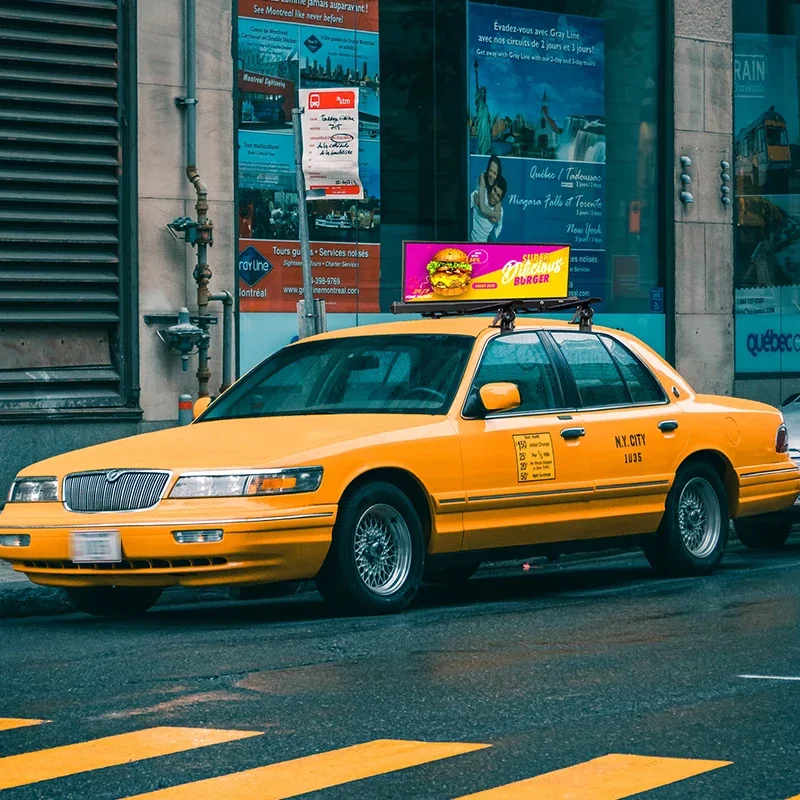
x,y
537,134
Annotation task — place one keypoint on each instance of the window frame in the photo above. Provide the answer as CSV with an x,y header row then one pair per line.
x,y
557,371
569,379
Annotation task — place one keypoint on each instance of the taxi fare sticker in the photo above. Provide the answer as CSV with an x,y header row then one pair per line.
x,y
535,460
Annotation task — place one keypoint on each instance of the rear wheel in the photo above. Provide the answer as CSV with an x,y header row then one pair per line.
x,y
374,565
763,533
114,601
693,532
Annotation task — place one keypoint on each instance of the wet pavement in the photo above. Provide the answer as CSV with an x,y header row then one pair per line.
x,y
550,668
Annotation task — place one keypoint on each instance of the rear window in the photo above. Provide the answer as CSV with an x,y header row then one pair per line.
x,y
597,378
643,386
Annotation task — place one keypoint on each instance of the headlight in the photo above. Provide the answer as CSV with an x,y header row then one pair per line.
x,y
237,484
33,490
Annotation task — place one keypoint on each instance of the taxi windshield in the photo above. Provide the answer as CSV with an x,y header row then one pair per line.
x,y
395,374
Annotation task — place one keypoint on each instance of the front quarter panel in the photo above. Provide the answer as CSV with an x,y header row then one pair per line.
x,y
425,449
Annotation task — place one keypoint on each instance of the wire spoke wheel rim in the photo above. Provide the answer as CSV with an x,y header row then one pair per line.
x,y
699,517
382,547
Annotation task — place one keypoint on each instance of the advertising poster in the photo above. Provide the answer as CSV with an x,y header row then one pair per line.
x,y
537,142
285,47
767,179
434,272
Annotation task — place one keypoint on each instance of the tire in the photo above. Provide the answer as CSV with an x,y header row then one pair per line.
x,y
370,518
694,530
451,576
768,532
114,601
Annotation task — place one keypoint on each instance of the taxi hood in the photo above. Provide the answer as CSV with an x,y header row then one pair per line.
x,y
235,443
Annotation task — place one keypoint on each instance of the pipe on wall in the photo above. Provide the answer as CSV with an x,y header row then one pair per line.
x,y
204,227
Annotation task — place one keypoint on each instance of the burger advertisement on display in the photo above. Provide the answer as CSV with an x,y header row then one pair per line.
x,y
450,272
437,272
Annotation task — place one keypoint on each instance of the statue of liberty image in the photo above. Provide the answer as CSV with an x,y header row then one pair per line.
x,y
483,119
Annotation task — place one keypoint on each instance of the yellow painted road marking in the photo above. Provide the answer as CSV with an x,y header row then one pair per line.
x,y
312,773
9,723
610,777
58,762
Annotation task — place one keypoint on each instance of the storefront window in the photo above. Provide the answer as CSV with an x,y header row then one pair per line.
x,y
767,178
560,146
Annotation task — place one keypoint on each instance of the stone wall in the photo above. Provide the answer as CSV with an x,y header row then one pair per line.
x,y
703,229
166,264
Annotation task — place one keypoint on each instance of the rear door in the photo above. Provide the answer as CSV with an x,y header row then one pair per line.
x,y
525,475
634,434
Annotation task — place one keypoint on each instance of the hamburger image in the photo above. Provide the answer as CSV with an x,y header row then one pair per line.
x,y
450,272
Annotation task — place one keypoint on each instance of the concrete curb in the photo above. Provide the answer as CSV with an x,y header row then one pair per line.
x,y
24,599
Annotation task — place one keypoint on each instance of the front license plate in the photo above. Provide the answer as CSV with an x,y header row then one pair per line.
x,y
96,547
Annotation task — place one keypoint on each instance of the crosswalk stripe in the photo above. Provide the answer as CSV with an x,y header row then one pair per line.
x,y
610,777
9,723
312,773
111,751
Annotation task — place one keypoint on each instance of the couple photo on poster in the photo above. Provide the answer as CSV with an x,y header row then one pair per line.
x,y
486,203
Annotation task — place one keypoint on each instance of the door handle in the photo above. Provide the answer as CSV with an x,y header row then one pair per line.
x,y
573,433
668,425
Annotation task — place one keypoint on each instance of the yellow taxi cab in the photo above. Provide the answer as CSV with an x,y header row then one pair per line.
x,y
375,458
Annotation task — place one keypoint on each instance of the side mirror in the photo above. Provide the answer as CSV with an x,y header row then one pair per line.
x,y
500,396
200,405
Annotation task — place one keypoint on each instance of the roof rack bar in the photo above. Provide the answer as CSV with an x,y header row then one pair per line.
x,y
505,312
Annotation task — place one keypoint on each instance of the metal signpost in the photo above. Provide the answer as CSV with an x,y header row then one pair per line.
x,y
325,125
308,320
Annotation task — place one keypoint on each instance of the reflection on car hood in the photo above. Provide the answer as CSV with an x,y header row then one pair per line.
x,y
237,443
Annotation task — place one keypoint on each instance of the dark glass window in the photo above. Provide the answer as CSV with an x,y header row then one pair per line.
x,y
644,388
400,374
521,359
765,180
598,380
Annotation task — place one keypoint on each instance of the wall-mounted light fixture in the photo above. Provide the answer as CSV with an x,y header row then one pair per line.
x,y
686,181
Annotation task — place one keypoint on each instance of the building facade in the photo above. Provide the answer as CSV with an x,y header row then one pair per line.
x,y
660,140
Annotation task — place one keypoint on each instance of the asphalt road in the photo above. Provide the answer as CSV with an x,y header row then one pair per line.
x,y
546,669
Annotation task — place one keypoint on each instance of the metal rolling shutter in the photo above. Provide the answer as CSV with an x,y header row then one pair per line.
x,y
61,344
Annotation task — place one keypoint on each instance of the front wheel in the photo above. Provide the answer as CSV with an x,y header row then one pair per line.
x,y
374,565
114,601
693,532
763,533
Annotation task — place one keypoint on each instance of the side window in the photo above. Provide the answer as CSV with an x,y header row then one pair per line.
x,y
644,388
598,380
521,358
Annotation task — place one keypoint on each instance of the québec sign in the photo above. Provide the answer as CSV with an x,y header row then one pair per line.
x,y
330,144
767,343
771,342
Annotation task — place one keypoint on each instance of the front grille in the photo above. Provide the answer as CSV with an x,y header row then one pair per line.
x,y
136,564
114,490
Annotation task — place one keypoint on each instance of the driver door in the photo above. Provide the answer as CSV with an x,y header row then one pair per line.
x,y
526,478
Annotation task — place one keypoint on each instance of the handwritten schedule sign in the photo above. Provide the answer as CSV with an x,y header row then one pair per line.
x,y
535,459
330,144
